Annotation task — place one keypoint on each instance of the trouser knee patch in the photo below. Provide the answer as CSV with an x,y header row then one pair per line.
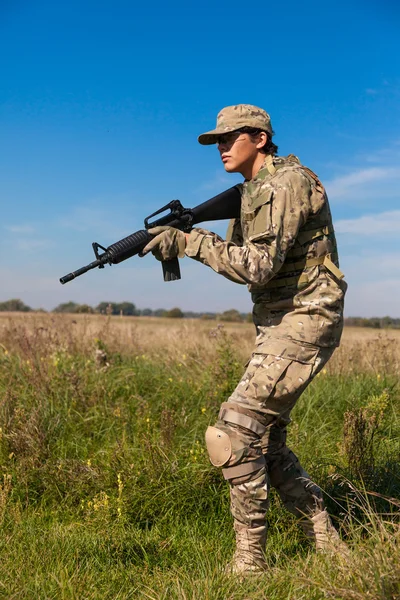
x,y
297,491
284,467
219,446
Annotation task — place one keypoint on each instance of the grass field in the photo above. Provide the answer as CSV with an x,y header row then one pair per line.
x,y
106,489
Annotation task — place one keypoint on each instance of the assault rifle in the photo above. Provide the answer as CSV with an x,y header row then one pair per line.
x,y
223,206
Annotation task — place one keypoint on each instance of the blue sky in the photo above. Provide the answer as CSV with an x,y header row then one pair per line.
x,y
101,104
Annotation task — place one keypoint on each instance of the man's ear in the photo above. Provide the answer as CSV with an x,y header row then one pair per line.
x,y
263,138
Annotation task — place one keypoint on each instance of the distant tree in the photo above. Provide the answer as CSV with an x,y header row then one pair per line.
x,y
160,312
375,322
387,322
174,313
232,315
117,308
146,312
66,307
84,309
102,307
126,308
14,305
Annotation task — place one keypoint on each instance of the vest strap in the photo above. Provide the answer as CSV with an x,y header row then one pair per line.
x,y
302,280
305,236
269,163
298,265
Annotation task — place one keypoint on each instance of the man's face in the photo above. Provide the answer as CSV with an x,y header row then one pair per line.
x,y
238,152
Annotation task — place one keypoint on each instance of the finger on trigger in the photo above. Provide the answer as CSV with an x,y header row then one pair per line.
x,y
152,244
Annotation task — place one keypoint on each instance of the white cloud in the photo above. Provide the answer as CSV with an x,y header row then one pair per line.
x,y
20,229
378,299
359,182
32,245
373,278
386,156
374,176
371,266
100,222
219,183
386,223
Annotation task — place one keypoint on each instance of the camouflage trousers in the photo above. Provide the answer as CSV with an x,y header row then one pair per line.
x,y
255,418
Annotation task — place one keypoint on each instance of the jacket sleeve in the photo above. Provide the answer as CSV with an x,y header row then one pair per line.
x,y
281,209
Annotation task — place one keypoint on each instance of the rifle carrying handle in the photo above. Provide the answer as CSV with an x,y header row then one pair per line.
x,y
171,269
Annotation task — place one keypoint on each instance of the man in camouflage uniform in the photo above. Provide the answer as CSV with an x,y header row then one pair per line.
x,y
283,247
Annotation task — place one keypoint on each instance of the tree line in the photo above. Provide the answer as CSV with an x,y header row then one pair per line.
x,y
128,309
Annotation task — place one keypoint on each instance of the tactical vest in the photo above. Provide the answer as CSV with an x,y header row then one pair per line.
x,y
317,236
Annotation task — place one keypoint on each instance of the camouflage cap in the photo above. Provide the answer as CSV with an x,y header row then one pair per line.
x,y
235,117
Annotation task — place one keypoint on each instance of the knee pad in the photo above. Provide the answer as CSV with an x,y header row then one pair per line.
x,y
226,448
219,446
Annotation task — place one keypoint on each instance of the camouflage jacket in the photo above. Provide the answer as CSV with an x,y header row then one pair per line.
x,y
277,248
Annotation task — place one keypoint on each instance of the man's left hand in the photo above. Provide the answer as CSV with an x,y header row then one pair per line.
x,y
168,243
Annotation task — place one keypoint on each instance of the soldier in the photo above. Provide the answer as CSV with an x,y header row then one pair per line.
x,y
283,247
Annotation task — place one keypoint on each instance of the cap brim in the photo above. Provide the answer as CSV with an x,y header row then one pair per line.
x,y
211,137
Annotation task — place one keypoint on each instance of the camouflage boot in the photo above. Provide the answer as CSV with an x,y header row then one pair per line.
x,y
249,554
320,531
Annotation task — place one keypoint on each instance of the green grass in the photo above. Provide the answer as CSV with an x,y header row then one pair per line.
x,y
107,491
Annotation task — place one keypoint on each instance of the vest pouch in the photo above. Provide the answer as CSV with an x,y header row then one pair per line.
x,y
234,233
256,218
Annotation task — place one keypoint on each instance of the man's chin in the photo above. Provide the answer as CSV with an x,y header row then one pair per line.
x,y
229,168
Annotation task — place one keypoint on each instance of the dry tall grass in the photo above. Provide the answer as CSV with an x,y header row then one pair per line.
x,y
362,350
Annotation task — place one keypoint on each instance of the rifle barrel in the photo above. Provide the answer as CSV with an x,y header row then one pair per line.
x,y
81,271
